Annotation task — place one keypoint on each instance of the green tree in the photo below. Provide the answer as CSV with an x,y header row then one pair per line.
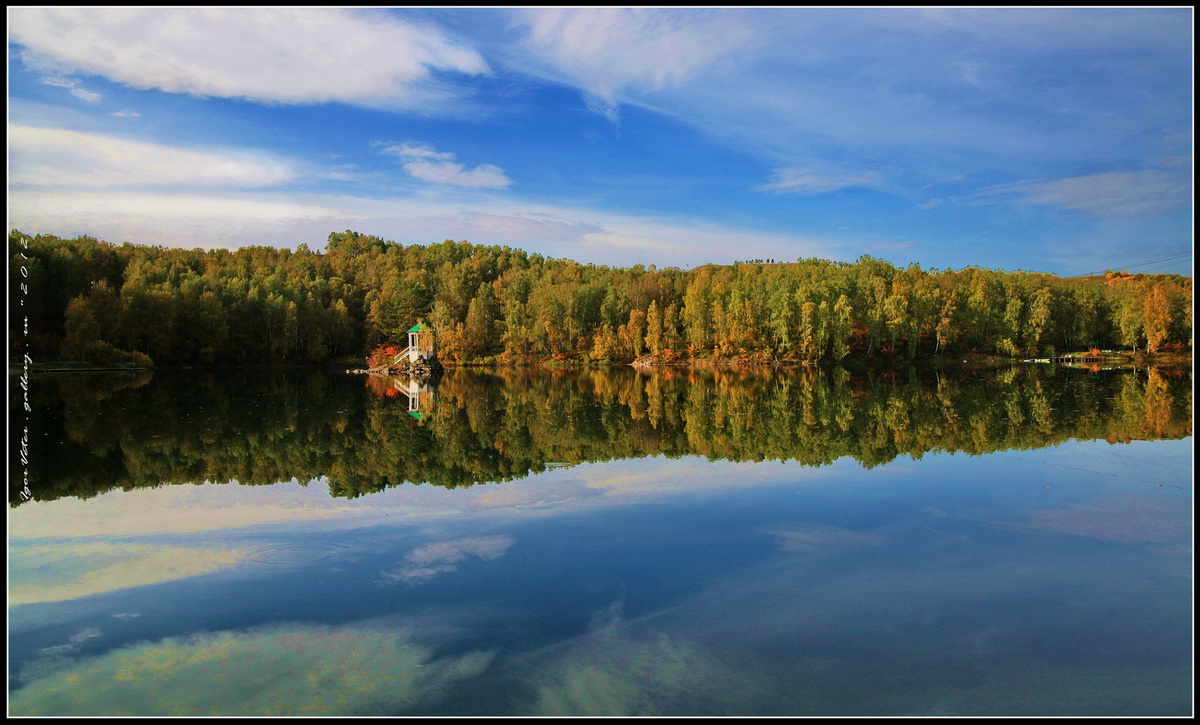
x,y
654,330
1156,315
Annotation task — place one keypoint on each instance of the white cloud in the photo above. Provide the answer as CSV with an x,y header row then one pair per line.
x,y
287,670
182,508
443,172
72,83
418,151
126,114
422,162
58,572
56,157
428,561
289,55
604,50
806,180
286,219
60,81
85,95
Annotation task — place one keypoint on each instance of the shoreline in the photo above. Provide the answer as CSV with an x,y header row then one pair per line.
x,y
1109,359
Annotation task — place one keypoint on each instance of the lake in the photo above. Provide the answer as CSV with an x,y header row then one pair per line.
x,y
978,541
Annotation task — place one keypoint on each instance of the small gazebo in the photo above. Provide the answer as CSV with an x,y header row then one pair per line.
x,y
420,343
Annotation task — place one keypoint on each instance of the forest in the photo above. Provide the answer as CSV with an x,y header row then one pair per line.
x,y
258,427
90,300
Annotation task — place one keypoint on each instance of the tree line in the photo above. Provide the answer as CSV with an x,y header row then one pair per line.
x,y
92,300
122,432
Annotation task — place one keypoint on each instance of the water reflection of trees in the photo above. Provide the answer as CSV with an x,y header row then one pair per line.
x,y
495,426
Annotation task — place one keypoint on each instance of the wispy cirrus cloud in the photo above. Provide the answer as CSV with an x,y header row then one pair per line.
x,y
282,55
807,180
925,95
814,537
1110,194
625,668
423,162
605,50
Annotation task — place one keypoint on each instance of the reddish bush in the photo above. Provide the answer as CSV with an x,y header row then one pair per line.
x,y
383,355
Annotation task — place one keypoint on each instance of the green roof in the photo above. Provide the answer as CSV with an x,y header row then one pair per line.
x,y
419,327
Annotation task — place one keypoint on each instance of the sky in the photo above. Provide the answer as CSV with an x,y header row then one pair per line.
x,y
1042,139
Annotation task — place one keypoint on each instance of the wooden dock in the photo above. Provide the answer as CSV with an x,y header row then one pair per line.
x,y
1092,355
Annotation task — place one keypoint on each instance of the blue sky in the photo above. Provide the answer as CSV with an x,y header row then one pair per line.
x,y
1050,140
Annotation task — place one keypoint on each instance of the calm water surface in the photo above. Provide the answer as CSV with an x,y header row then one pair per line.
x,y
799,542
